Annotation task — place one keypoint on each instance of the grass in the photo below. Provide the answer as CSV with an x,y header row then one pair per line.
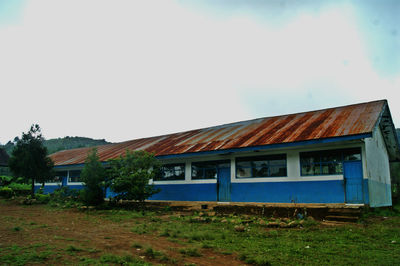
x,y
375,241
18,255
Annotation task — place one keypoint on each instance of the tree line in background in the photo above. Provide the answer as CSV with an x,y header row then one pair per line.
x,y
127,176
54,145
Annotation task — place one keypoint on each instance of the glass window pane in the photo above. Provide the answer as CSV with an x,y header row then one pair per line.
x,y
75,176
210,173
243,172
352,155
224,165
171,172
244,164
261,171
306,169
316,168
277,171
277,162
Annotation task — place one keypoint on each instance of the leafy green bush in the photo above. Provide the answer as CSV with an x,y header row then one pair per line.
x,y
20,189
64,194
130,175
42,198
6,192
5,180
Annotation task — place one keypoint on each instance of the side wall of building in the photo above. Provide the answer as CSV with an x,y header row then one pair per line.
x,y
378,171
293,188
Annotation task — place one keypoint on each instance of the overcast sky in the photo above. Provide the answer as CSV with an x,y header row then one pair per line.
x,y
121,70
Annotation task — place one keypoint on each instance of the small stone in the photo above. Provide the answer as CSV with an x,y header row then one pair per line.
x,y
393,241
282,225
262,222
307,247
273,224
239,228
292,224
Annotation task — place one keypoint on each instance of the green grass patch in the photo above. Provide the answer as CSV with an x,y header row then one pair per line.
x,y
191,252
73,249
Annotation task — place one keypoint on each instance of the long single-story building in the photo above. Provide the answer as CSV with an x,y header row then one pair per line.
x,y
335,155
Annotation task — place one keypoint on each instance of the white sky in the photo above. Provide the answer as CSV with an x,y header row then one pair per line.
x,y
121,70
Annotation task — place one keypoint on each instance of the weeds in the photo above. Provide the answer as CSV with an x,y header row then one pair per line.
x,y
191,252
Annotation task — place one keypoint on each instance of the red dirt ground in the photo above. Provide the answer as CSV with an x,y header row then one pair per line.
x,y
96,236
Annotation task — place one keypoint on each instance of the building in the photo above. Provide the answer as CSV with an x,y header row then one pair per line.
x,y
335,155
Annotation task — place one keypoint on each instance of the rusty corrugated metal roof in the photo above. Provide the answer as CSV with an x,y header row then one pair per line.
x,y
333,122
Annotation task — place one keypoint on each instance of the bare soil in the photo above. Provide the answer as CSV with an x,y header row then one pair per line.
x,y
62,228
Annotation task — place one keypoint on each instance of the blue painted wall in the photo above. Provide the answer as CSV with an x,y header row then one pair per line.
x,y
187,192
288,192
278,192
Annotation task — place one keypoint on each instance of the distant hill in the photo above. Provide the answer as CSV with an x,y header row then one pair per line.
x,y
66,143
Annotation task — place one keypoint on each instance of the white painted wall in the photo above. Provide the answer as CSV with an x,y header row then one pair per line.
x,y
293,164
378,170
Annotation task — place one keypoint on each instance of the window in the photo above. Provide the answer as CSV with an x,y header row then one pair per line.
x,y
171,172
329,162
261,166
209,169
58,177
75,176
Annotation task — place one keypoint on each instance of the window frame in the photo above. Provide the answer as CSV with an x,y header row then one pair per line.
x,y
253,167
183,165
69,176
321,153
216,166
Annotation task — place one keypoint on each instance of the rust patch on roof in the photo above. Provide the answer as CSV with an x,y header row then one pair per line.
x,y
327,123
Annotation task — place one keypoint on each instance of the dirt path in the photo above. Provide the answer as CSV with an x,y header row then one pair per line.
x,y
92,235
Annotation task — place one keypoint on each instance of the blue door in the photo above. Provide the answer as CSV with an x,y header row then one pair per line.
x,y
224,184
353,181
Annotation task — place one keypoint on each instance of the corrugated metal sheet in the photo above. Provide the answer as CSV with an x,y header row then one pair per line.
x,y
327,123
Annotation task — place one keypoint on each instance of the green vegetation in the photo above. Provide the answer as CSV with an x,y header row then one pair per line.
x,y
375,240
10,187
130,175
310,243
29,158
66,143
93,176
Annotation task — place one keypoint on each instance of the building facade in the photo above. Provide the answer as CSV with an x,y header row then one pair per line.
x,y
335,155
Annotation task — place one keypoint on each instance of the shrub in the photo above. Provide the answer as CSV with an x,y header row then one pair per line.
x,y
42,198
64,194
5,180
20,189
131,174
6,192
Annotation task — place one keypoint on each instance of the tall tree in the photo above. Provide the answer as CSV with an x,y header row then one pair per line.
x,y
29,158
93,175
130,175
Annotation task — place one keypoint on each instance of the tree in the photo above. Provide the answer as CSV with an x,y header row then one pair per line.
x,y
93,175
29,158
131,174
